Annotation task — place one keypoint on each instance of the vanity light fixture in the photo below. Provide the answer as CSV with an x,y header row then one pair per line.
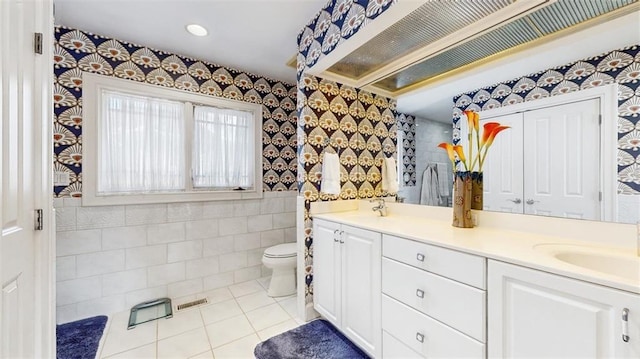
x,y
197,30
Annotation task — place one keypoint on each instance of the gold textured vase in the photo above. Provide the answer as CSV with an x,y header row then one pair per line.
x,y
476,190
462,198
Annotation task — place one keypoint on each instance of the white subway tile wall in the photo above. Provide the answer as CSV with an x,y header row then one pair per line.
x,y
111,258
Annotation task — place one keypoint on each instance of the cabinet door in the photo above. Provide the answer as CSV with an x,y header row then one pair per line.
x,y
326,270
361,282
533,314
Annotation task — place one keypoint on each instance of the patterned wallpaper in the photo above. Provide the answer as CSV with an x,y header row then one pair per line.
x,y
359,125
77,51
407,124
336,22
620,66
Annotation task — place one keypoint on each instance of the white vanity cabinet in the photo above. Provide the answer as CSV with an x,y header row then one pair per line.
x,y
433,302
534,314
346,281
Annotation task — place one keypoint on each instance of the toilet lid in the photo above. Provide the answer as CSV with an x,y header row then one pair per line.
x,y
281,251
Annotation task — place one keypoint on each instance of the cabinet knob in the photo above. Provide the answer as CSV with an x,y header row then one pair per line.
x,y
420,337
625,325
335,235
419,293
420,257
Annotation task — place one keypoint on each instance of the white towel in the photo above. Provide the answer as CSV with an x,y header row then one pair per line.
x,y
330,174
429,191
389,175
443,182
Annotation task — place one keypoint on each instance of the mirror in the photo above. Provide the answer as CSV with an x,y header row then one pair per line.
x,y
600,57
557,141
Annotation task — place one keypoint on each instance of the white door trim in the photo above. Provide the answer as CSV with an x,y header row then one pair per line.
x,y
608,96
45,310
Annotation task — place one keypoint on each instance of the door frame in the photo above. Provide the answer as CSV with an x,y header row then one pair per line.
x,y
44,336
608,96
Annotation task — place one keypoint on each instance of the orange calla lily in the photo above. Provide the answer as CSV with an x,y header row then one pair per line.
x,y
460,152
490,131
449,148
488,128
494,132
473,119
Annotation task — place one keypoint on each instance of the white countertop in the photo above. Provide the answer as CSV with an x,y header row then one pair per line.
x,y
516,247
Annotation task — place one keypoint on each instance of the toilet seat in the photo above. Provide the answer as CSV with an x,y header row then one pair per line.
x,y
286,250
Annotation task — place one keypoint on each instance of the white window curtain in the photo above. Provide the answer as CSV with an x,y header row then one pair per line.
x,y
141,144
223,148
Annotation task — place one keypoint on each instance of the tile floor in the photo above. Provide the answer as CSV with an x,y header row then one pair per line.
x,y
235,319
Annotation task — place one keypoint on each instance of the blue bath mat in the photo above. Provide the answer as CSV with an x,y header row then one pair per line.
x,y
79,339
314,340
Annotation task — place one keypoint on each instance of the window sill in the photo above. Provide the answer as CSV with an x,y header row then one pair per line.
x,y
196,196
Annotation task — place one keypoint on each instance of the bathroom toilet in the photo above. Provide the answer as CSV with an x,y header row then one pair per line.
x,y
281,259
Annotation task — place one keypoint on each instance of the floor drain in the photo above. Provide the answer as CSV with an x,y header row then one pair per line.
x,y
191,304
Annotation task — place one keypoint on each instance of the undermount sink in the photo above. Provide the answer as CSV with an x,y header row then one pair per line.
x,y
609,261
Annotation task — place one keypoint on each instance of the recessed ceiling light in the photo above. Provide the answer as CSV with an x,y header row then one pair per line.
x,y
197,30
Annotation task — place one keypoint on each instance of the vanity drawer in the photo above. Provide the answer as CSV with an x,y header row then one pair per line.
x,y
455,304
425,335
463,267
392,348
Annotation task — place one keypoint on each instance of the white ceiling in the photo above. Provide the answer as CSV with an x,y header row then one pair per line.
x,y
257,36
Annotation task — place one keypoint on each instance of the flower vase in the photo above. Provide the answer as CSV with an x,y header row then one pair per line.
x,y
462,199
476,190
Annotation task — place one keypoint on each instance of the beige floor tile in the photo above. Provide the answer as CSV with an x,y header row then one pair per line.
x,y
205,355
290,306
268,316
220,311
264,282
184,345
218,295
144,352
119,340
253,301
240,289
228,330
240,349
277,329
181,322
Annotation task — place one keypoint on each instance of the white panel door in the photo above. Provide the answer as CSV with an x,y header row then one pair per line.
x,y
326,270
533,314
502,169
26,329
361,288
562,161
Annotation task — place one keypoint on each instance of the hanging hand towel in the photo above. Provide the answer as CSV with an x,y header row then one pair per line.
x,y
330,174
444,185
389,175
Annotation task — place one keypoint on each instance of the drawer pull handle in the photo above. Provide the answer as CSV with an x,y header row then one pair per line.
x,y
420,337
341,236
420,257
625,325
419,293
335,235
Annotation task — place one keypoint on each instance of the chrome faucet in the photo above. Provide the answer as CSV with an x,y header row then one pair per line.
x,y
381,207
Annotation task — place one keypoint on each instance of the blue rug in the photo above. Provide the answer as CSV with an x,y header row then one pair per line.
x,y
314,340
79,339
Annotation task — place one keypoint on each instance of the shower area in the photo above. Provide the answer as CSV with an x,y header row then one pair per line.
x,y
433,172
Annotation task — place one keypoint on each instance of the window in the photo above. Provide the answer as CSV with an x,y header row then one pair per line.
x,y
148,144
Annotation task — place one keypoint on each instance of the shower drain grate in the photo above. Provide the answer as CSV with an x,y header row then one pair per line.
x,y
192,304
